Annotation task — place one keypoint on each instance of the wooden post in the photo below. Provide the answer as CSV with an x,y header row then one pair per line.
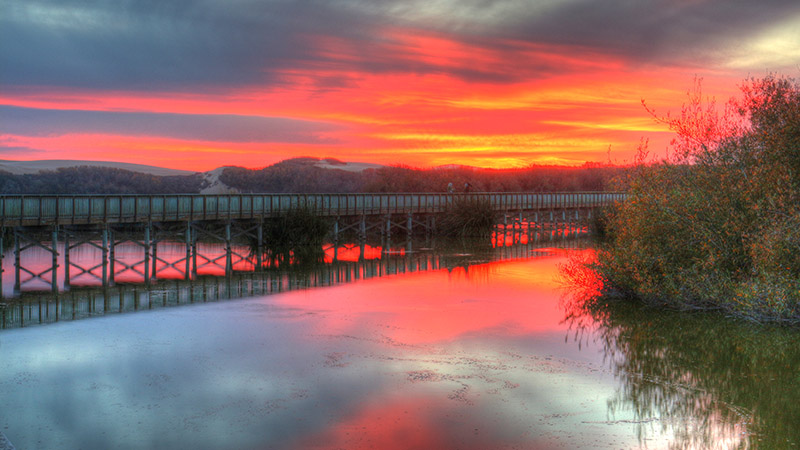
x,y
54,279
66,260
194,254
336,230
2,252
228,252
187,267
17,266
147,253
260,246
154,249
111,255
104,238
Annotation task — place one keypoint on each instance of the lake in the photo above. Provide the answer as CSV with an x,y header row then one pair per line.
x,y
418,347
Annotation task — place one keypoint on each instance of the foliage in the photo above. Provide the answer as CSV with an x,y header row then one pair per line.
x,y
717,225
466,216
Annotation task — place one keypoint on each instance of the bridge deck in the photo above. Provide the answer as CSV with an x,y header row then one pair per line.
x,y
37,210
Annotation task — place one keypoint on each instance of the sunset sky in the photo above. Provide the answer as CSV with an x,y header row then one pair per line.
x,y
197,84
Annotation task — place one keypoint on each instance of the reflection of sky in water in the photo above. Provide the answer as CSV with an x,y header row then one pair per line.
x,y
471,358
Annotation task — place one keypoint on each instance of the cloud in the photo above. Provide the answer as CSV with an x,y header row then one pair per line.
x,y
684,32
206,127
25,152
191,44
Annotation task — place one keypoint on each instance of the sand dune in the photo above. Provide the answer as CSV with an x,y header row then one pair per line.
x,y
346,166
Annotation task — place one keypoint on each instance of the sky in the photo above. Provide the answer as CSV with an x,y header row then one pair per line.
x,y
198,84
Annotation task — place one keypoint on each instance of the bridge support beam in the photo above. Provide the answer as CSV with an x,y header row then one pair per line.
x,y
25,239
187,274
2,253
104,244
147,254
228,250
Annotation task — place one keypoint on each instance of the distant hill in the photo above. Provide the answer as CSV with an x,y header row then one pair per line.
x,y
98,180
296,175
307,175
34,167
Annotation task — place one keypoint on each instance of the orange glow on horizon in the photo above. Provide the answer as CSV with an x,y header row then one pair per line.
x,y
420,120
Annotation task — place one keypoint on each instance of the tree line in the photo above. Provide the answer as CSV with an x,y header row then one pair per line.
x,y
301,175
97,180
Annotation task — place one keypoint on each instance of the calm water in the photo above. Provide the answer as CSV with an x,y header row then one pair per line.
x,y
411,351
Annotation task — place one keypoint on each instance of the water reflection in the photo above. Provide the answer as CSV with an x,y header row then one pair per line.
x,y
709,381
84,294
460,349
469,356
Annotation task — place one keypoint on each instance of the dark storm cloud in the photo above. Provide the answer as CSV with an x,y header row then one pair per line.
x,y
686,32
220,128
191,44
154,44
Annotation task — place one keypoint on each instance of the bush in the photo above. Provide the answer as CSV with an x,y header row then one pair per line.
x,y
296,237
467,216
716,226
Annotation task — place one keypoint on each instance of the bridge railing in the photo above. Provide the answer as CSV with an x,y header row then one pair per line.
x,y
32,210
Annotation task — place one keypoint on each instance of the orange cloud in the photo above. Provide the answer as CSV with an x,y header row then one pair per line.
x,y
493,104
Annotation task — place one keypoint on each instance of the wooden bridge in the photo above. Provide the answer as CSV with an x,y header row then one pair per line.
x,y
48,210
60,224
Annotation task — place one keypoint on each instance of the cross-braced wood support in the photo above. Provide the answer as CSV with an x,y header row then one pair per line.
x,y
228,233
79,239
385,225
25,239
133,235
